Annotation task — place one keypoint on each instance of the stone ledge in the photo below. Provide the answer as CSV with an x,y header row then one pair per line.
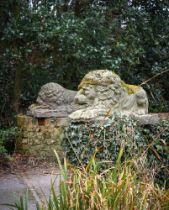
x,y
47,113
148,119
152,118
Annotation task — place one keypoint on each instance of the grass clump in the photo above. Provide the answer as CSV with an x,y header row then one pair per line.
x,y
124,186
121,187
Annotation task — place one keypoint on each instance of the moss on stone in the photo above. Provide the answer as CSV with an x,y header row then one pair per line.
x,y
20,120
131,89
87,82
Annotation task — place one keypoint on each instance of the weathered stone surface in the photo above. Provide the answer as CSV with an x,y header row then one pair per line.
x,y
148,119
41,139
102,93
53,101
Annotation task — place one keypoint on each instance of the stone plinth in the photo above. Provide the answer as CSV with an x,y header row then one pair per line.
x,y
40,136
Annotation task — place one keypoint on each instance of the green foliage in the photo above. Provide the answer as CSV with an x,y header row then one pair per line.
x,y
157,139
54,41
2,148
7,139
107,137
20,204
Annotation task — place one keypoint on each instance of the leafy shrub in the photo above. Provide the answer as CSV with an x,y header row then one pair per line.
x,y
82,139
49,43
7,139
157,139
2,148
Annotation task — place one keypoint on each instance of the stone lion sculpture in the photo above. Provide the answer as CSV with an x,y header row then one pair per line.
x,y
102,93
53,101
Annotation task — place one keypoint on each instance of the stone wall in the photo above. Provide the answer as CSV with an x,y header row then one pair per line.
x,y
40,136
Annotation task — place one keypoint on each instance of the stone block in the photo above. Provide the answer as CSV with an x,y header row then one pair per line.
x,y
24,122
148,119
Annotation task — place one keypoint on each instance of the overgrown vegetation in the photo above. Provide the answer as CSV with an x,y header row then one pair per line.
x,y
123,186
61,40
82,139
107,137
157,139
7,140
118,187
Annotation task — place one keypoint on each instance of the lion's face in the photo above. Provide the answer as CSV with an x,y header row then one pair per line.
x,y
86,95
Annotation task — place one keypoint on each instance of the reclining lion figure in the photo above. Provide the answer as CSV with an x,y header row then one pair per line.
x,y
53,101
102,93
